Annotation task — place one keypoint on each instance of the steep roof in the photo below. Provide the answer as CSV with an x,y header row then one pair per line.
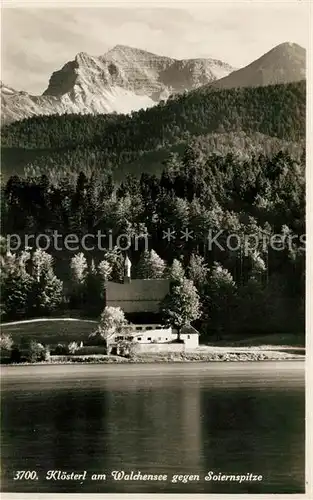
x,y
188,329
142,295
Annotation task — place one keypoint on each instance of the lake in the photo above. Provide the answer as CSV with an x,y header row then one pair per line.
x,y
165,420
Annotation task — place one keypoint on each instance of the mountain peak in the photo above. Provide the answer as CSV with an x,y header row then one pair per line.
x,y
82,56
289,45
293,49
284,63
126,48
122,48
125,52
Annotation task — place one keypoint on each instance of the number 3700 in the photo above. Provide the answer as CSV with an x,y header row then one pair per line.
x,y
27,475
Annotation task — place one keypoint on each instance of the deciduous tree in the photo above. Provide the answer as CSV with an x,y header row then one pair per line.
x,y
111,323
181,306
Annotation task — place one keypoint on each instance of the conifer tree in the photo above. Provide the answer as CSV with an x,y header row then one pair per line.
x,y
176,271
78,267
197,270
219,301
48,289
150,265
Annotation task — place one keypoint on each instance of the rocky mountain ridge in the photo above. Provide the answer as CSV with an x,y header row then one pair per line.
x,y
124,79
127,79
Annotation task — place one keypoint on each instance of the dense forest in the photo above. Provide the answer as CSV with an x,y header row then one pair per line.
x,y
251,288
224,121
213,162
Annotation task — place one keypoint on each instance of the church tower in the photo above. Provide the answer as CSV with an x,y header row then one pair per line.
x,y
127,270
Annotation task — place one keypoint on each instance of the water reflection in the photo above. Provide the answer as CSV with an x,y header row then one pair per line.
x,y
171,419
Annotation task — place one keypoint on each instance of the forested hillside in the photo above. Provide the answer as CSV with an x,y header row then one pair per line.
x,y
245,284
144,138
229,163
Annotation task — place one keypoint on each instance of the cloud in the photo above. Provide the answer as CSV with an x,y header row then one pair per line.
x,y
38,41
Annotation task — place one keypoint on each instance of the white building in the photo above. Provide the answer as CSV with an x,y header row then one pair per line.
x,y
145,296
158,334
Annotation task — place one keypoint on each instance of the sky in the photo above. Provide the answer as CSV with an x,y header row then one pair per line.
x,y
37,41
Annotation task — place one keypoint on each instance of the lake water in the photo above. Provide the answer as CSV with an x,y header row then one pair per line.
x,y
180,419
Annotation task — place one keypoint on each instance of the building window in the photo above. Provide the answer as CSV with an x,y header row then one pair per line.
x,y
149,328
129,338
188,336
120,338
160,338
149,338
139,328
139,338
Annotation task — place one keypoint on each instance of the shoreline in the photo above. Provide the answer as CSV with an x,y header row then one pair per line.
x,y
163,358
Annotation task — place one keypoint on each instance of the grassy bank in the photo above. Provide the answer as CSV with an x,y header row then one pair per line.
x,y
265,341
64,330
50,331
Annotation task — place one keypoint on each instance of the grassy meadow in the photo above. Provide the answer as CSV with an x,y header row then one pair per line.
x,y
50,331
